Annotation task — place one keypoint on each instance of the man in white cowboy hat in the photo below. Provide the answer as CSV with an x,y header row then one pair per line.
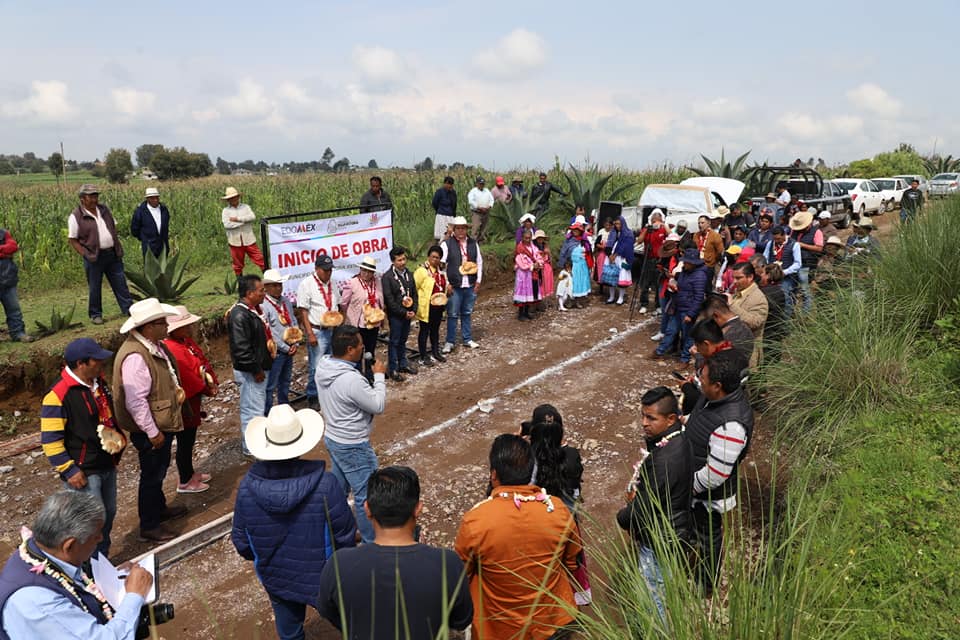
x,y
480,201
290,514
457,250
810,240
861,242
252,349
238,220
150,224
317,296
348,404
148,397
92,232
279,314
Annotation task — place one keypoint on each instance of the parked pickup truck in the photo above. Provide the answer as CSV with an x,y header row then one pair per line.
x,y
810,187
692,198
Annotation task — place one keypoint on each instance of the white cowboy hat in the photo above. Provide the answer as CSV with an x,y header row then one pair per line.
x,y
369,263
284,434
459,221
230,193
272,276
146,311
150,192
835,240
182,319
528,216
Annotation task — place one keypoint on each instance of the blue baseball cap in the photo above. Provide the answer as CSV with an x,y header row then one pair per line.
x,y
85,348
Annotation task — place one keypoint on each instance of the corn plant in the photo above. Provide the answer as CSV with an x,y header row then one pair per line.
x,y
161,278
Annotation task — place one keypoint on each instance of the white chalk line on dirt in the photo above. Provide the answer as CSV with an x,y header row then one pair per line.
x,y
537,377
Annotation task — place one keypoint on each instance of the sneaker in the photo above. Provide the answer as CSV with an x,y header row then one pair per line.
x,y
158,534
642,309
425,361
201,477
657,337
620,301
472,344
447,347
194,486
96,320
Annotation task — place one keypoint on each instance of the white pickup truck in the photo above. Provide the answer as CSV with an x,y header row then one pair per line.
x,y
692,198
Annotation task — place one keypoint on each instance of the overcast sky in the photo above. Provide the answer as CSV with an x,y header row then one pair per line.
x,y
502,84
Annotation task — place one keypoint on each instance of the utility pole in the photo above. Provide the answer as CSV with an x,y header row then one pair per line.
x,y
63,166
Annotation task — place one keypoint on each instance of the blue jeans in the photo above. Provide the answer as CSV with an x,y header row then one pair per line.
x,y
11,307
804,281
789,284
102,484
676,326
279,380
460,307
290,616
313,356
397,351
650,570
352,465
253,396
109,265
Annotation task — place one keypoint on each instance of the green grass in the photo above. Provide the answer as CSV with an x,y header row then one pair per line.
x,y
47,178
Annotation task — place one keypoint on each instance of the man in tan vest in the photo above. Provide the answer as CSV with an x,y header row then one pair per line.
x,y
751,305
147,397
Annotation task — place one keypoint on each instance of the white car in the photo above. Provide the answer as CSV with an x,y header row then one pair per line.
x,y
891,189
865,196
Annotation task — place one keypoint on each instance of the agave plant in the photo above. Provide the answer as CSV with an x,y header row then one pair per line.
x,y
506,216
722,168
161,278
940,164
58,322
229,286
586,188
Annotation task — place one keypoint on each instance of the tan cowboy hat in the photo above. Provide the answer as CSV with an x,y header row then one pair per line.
x,y
331,319
146,311
865,223
468,268
230,193
373,316
459,221
438,299
540,234
151,192
835,240
88,190
801,220
284,434
292,335
369,263
182,319
272,276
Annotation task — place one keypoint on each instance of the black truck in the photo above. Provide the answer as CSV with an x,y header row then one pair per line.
x,y
807,185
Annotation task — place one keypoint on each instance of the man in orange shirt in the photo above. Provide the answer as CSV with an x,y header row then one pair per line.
x,y
516,539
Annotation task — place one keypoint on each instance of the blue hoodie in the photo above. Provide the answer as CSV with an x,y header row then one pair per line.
x,y
290,516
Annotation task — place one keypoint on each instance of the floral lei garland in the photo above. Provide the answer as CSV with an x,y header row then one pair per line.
x,y
44,566
664,441
540,496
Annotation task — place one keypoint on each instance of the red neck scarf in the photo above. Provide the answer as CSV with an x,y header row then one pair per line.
x,y
326,290
281,310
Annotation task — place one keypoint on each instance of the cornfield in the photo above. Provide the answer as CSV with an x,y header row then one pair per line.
x,y
37,215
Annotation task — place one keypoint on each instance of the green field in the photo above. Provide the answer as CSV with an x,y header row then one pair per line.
x,y
26,179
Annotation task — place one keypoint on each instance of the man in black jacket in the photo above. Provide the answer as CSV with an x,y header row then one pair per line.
x,y
542,190
400,301
252,350
660,492
150,224
719,430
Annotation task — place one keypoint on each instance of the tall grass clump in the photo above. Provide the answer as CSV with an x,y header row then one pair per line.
x,y
920,266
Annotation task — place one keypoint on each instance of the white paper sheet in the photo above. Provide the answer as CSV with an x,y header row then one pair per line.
x,y
111,581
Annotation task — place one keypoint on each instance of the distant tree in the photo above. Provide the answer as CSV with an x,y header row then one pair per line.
x,y
426,165
326,159
180,164
117,165
38,166
457,166
248,165
343,164
145,153
262,166
223,167
372,164
55,163
29,157
940,164
6,168
441,167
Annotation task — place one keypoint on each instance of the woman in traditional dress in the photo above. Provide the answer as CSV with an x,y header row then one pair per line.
x,y
542,241
577,250
527,263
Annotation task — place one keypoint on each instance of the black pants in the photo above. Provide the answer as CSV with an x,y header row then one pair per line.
x,y
185,441
369,337
708,542
648,280
153,469
431,330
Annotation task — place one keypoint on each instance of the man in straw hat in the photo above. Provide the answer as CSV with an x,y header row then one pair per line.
x,y
92,232
146,385
238,220
785,253
810,239
361,302
861,242
458,251
316,297
290,513
150,224
71,416
251,340
348,404
279,314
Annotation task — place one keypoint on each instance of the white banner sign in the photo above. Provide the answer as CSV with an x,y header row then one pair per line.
x,y
294,245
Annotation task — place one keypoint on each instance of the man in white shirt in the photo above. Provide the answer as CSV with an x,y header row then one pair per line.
x,y
316,295
783,196
461,254
480,201
238,220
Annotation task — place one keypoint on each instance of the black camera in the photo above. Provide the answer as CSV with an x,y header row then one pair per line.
x,y
152,615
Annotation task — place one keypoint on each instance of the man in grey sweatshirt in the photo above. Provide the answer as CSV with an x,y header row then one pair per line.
x,y
348,404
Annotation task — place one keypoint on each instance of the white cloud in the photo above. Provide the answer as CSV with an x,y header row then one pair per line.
x,y
872,98
48,102
249,103
133,102
380,68
205,115
825,130
519,50
718,109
